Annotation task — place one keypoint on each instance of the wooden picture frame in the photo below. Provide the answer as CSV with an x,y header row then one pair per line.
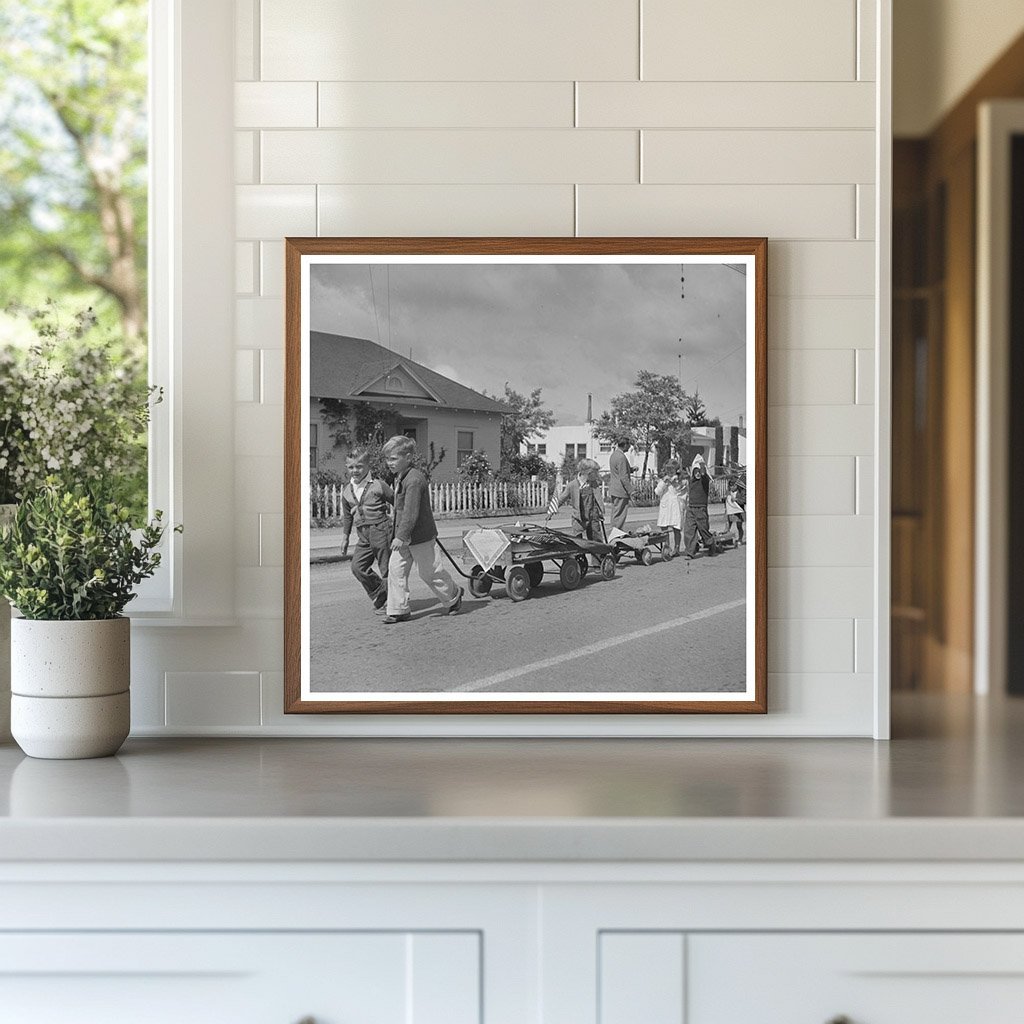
x,y
408,330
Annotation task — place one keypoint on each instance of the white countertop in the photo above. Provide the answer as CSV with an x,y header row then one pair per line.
x,y
948,787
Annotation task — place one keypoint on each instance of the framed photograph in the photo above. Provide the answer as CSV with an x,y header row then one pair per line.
x,y
525,475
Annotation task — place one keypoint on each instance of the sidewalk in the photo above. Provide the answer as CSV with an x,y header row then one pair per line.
x,y
325,544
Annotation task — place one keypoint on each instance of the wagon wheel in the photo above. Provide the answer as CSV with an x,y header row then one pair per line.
x,y
667,553
569,573
535,570
584,565
644,556
479,582
608,568
517,583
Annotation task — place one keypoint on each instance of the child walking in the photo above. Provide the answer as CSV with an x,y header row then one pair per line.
x,y
670,510
734,510
365,504
415,534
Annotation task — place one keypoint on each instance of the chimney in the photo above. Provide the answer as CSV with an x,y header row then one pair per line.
x,y
590,408
741,421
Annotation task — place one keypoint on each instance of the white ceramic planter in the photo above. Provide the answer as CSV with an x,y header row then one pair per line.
x,y
69,683
6,515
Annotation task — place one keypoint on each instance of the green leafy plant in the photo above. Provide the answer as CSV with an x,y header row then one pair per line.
x,y
72,554
74,408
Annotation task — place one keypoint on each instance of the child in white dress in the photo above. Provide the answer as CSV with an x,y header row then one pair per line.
x,y
670,510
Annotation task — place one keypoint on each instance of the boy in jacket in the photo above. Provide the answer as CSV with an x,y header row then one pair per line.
x,y
366,504
415,534
583,496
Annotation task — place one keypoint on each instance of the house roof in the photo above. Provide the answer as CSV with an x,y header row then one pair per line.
x,y
343,367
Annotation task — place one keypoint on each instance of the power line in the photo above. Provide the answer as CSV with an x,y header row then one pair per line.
x,y
739,348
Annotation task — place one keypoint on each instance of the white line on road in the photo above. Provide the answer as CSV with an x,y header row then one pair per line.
x,y
602,645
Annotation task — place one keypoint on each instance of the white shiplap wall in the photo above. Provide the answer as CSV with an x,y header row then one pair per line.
x,y
628,117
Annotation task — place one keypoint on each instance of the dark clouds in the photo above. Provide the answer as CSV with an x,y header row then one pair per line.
x,y
567,328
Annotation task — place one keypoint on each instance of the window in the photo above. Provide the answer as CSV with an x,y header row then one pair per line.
x,y
570,451
581,451
531,449
606,446
542,449
313,431
463,446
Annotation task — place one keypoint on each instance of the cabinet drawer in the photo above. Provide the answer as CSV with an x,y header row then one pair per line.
x,y
867,978
242,978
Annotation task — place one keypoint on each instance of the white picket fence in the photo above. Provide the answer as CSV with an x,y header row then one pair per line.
x,y
447,499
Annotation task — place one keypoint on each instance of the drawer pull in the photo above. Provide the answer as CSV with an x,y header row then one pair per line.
x,y
841,1019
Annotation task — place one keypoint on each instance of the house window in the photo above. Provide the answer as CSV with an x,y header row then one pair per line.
x,y
581,451
531,449
313,436
542,449
606,446
570,451
463,446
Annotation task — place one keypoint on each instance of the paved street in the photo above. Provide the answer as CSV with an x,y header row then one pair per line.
x,y
676,626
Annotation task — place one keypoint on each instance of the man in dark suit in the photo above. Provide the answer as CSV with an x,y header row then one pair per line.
x,y
620,487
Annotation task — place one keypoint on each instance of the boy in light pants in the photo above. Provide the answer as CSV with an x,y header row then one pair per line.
x,y
415,534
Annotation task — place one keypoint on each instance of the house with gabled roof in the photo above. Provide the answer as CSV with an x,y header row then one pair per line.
x,y
354,375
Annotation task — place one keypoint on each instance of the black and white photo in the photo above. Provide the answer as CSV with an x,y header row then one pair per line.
x,y
525,475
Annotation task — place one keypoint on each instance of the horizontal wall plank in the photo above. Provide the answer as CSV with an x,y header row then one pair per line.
x,y
275,104
832,703
270,211
446,105
865,485
811,376
865,376
247,375
775,211
449,157
808,267
448,40
204,699
272,376
259,323
817,323
730,41
260,592
259,429
811,645
757,157
271,268
866,211
726,105
246,50
811,486
867,25
811,540
821,430
447,209
245,268
864,650
259,484
820,592
245,158
271,538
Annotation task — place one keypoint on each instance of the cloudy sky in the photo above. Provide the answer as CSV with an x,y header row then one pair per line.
x,y
569,329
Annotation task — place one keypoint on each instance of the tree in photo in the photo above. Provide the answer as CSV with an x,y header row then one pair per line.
x,y
528,419
73,156
646,416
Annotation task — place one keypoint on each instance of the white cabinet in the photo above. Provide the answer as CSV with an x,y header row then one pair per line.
x,y
869,979
511,943
241,978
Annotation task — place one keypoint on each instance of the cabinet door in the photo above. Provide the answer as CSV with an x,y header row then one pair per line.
x,y
242,978
862,978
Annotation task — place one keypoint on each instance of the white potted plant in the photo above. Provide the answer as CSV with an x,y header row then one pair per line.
x,y
72,406
69,563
